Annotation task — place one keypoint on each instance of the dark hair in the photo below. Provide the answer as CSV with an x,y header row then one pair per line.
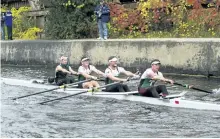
x,y
83,58
155,60
80,63
111,57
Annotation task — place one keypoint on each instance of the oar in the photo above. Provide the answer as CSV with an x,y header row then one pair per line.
x,y
194,88
60,87
89,90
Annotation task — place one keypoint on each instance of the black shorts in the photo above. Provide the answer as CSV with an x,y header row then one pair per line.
x,y
63,81
117,88
153,91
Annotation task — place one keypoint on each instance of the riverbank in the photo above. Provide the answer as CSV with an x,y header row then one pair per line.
x,y
180,56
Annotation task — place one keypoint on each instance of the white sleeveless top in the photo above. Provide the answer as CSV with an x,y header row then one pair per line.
x,y
115,72
149,72
88,70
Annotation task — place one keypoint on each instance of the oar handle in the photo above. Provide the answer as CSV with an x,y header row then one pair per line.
x,y
128,79
100,79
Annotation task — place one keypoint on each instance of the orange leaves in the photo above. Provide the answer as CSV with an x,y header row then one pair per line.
x,y
209,16
127,19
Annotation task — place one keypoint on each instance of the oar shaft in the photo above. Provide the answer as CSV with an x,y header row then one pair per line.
x,y
63,86
63,97
194,88
198,89
36,93
78,93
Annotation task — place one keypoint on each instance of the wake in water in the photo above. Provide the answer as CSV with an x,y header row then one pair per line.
x,y
216,91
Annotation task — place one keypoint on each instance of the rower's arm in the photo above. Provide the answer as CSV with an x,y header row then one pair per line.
x,y
59,68
86,75
130,74
113,78
72,71
161,78
98,71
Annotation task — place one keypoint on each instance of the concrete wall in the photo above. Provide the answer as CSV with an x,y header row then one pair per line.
x,y
190,56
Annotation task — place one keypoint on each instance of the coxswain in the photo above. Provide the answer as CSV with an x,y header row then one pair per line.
x,y
147,85
112,73
85,71
64,73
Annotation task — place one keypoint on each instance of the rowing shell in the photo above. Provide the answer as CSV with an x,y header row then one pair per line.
x,y
171,101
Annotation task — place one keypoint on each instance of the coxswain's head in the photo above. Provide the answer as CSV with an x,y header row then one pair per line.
x,y
63,60
113,61
155,65
85,61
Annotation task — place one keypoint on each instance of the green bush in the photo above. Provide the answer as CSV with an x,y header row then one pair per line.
x,y
23,26
71,19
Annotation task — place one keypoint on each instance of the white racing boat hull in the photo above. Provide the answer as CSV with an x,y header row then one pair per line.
x,y
174,102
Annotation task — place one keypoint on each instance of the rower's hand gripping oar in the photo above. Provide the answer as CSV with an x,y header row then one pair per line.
x,y
138,74
89,90
60,87
191,87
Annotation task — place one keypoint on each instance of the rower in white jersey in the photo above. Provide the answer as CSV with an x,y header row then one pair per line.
x,y
85,71
112,73
149,78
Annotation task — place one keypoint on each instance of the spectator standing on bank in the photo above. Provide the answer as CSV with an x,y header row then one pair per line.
x,y
8,23
2,25
102,12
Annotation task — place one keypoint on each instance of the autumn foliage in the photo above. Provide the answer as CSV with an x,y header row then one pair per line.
x,y
156,18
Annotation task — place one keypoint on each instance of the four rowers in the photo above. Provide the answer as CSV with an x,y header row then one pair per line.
x,y
112,72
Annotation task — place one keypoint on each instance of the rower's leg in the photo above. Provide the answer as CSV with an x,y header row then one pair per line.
x,y
162,89
125,87
95,84
143,92
70,80
120,88
153,92
112,88
61,82
80,85
87,85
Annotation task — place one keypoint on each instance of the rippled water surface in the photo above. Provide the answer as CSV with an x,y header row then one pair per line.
x,y
86,116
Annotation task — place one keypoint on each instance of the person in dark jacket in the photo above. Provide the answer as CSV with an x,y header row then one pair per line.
x,y
8,23
102,12
3,26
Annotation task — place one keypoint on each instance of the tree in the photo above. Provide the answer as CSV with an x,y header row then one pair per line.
x,y
71,19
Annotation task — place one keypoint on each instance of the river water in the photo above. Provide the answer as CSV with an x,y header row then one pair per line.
x,y
85,116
